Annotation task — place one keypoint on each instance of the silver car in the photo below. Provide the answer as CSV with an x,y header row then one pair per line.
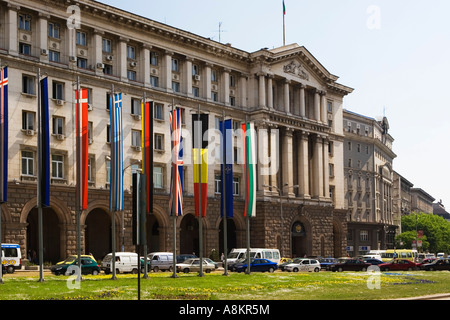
x,y
194,265
304,265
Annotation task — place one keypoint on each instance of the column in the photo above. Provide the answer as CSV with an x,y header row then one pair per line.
x,y
145,53
11,27
263,158
243,90
270,91
317,105
166,74
326,169
323,107
303,165
42,37
98,51
287,165
187,84
302,101
318,168
274,156
225,90
122,59
262,90
206,82
286,96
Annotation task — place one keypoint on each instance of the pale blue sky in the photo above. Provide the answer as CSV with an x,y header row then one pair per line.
x,y
395,54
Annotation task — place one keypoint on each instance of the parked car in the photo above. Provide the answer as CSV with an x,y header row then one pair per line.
x,y
193,264
216,265
232,265
88,266
284,263
183,257
350,265
438,264
400,265
258,265
306,265
326,263
426,261
373,261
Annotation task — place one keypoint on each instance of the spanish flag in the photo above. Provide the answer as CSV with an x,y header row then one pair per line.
x,y
200,142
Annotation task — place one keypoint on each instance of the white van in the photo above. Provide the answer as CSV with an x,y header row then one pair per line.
x,y
125,262
11,257
257,253
160,261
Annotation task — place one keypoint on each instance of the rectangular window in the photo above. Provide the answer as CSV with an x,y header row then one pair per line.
x,y
58,90
159,112
81,38
154,58
217,184
58,166
131,52
108,69
158,181
106,45
331,170
90,132
195,70
27,163
58,125
213,76
136,138
196,92
108,171
54,56
175,65
91,162
235,186
232,81
24,49
28,120
53,30
232,101
131,75
214,96
25,22
330,106
28,84
364,235
159,142
82,63
108,133
135,107
154,81
175,86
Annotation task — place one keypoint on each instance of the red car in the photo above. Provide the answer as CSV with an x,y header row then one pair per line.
x,y
399,265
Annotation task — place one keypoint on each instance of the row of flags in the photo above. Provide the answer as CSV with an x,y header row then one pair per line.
x,y
200,126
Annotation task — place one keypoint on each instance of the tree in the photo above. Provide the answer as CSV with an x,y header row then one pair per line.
x,y
405,240
435,228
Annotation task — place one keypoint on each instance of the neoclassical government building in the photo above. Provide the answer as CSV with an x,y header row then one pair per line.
x,y
294,101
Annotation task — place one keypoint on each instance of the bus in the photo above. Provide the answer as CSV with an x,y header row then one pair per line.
x,y
408,254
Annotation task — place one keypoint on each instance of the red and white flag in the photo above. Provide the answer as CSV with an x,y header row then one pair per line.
x,y
82,147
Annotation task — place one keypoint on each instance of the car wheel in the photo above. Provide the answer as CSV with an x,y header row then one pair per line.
x,y
316,269
386,269
134,271
170,269
10,269
410,269
94,272
295,270
340,269
271,270
155,269
186,270
364,269
208,270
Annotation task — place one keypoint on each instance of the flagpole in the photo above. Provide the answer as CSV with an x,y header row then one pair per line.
x,y
112,195
147,176
78,208
174,199
224,198
2,112
284,28
247,220
39,191
200,215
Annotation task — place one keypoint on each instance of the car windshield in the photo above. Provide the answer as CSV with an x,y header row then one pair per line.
x,y
69,260
233,255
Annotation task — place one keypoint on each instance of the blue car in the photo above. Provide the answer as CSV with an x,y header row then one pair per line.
x,y
258,265
326,263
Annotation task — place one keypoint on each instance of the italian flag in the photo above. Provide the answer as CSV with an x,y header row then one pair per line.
x,y
284,8
248,131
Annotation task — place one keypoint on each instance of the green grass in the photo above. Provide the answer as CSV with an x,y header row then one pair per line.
x,y
215,286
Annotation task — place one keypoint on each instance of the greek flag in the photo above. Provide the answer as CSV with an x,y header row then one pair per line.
x,y
116,136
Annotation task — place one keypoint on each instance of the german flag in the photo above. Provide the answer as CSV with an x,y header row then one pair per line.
x,y
200,123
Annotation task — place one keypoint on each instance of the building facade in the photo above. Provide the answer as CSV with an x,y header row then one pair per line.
x,y
369,179
295,103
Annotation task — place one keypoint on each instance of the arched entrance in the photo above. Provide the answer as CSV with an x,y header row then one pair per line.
x,y
231,236
298,240
98,233
153,234
189,240
51,235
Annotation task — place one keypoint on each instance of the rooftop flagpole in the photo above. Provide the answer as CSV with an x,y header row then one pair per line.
x,y
284,27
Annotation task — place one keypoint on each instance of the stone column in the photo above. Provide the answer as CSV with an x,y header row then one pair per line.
x,y
323,107
207,81
187,84
317,105
166,73
287,165
42,37
318,168
302,101
243,90
274,156
12,29
286,96
145,69
270,91
326,169
263,158
303,164
262,90
225,90
122,59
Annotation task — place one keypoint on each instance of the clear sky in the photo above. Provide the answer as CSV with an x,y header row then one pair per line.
x,y
395,54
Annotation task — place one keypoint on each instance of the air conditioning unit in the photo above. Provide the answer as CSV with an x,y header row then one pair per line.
x,y
60,137
154,71
137,148
73,59
109,57
90,140
44,52
197,77
137,117
100,65
59,102
133,64
214,87
175,77
29,132
90,107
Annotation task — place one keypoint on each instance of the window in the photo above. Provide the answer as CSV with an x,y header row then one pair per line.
x,y
136,138
214,96
58,90
195,70
54,56
154,81
131,75
108,101
57,166
175,86
108,171
25,22
330,106
27,163
90,131
28,120
131,52
24,49
331,170
108,69
232,81
175,66
183,115
58,125
232,101
135,107
53,30
349,146
81,38
82,63
217,184
213,76
108,133
28,84
159,112
158,177
235,186
159,142
364,235
106,45
196,92
154,58
91,162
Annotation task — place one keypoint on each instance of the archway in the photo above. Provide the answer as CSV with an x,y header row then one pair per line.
x,y
231,236
98,233
299,240
153,234
51,235
189,240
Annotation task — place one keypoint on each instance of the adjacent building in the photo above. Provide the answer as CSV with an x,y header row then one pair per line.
x,y
294,101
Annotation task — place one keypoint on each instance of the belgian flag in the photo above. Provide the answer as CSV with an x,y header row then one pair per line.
x,y
200,127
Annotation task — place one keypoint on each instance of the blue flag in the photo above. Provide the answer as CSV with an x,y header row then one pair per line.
x,y
226,167
116,172
44,147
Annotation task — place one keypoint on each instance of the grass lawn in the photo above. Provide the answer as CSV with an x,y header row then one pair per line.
x,y
235,286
